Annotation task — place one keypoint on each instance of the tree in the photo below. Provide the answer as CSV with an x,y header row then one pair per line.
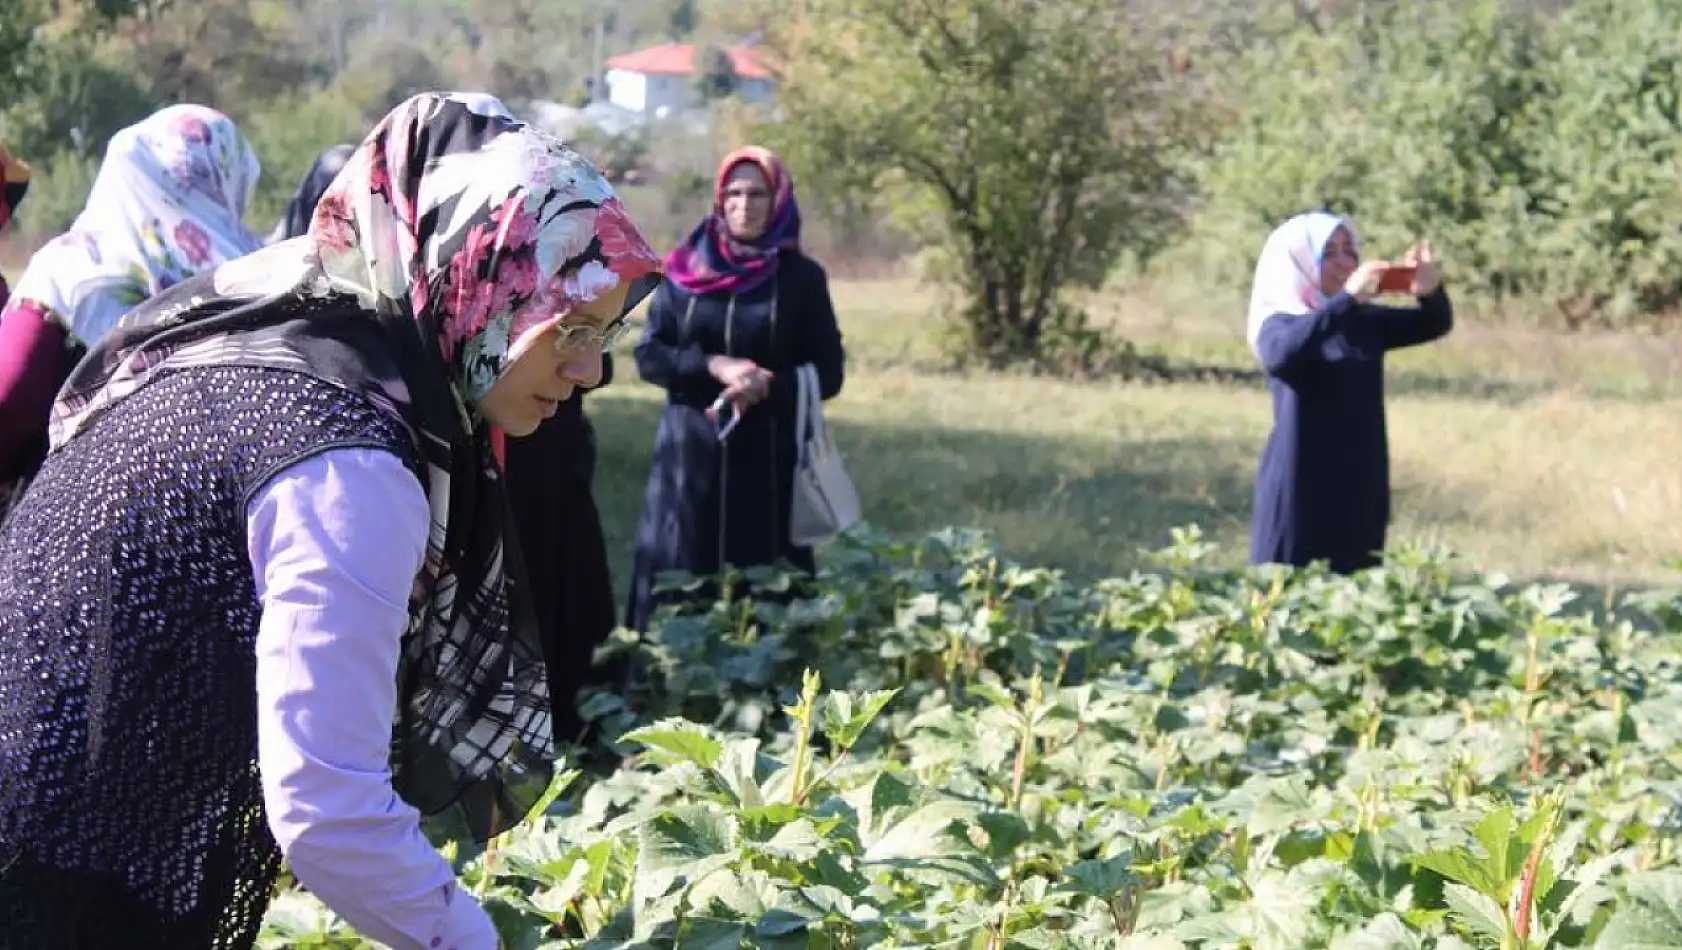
x,y
17,35
1039,136
683,20
715,73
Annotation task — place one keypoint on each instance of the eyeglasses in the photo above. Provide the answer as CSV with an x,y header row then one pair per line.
x,y
572,337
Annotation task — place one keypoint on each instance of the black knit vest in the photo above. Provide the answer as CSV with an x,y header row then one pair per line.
x,y
131,811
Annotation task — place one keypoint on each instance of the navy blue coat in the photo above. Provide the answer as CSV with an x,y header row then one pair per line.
x,y
1323,488
709,503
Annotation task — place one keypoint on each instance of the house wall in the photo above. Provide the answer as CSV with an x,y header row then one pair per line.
x,y
648,94
755,90
627,89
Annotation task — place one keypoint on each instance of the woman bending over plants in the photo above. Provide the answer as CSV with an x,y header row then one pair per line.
x,y
260,602
1323,489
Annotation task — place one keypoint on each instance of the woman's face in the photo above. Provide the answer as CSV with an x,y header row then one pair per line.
x,y
1337,262
550,361
747,202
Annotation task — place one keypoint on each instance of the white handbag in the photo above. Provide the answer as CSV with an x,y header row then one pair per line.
x,y
824,502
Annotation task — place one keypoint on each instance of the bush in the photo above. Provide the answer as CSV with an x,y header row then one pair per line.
x,y
57,191
1540,153
288,135
80,93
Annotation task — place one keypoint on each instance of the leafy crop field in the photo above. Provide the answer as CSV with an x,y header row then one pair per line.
x,y
938,747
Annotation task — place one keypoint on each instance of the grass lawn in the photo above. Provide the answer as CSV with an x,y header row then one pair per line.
x,y
1534,454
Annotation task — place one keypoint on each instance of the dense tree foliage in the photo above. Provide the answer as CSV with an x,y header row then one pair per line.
x,y
1026,146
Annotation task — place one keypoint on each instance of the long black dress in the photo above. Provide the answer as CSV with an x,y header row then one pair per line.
x,y
1323,487
709,503
549,488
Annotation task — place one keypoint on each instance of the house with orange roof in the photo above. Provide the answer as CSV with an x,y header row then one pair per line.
x,y
660,80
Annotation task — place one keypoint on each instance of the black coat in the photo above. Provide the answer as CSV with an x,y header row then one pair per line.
x,y
709,503
1323,488
560,532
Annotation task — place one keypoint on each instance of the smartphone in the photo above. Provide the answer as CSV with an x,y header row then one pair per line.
x,y
1397,280
725,417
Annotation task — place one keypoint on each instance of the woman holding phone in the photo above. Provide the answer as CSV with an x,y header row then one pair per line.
x,y
1323,488
740,309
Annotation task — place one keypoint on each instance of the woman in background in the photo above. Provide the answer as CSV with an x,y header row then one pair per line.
x,y
741,307
322,171
1323,488
168,203
549,489
262,601
14,184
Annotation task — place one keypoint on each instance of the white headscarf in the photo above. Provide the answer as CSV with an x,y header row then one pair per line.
x,y
1288,273
168,202
483,103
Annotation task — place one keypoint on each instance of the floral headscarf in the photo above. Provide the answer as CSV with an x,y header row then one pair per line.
x,y
168,203
711,261
1287,277
451,230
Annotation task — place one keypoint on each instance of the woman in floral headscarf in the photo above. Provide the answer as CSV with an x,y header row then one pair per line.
x,y
741,309
260,601
168,202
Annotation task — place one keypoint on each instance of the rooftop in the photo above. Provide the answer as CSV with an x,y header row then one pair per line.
x,y
678,59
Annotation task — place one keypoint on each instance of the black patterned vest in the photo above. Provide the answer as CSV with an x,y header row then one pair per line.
x,y
131,812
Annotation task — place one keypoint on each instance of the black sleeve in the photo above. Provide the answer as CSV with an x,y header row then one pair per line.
x,y
663,358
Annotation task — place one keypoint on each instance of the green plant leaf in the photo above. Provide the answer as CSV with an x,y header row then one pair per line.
x,y
1652,918
679,741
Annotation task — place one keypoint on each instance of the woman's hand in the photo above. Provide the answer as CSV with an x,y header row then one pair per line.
x,y
1429,276
730,370
1363,284
745,383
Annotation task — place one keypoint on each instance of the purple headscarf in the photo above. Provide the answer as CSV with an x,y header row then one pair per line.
x,y
711,261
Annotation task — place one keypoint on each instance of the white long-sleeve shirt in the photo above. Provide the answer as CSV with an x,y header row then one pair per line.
x,y
336,543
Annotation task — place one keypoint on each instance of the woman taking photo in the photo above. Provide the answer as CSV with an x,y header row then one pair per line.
x,y
1323,488
740,309
260,601
168,203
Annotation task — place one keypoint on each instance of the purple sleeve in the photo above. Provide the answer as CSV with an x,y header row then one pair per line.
x,y
336,542
31,358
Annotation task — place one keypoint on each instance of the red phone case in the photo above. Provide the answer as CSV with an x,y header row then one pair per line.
x,y
1397,280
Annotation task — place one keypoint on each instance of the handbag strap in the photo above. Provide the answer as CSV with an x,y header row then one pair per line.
x,y
802,414
815,426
